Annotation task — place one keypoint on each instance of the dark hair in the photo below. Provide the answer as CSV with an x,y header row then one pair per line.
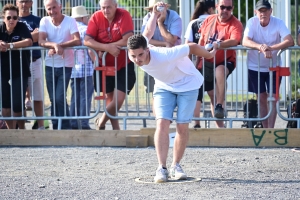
x,y
10,7
136,42
201,7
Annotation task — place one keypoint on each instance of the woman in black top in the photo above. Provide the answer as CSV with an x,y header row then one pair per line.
x,y
14,64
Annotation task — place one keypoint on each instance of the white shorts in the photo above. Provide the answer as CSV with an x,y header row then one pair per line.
x,y
35,82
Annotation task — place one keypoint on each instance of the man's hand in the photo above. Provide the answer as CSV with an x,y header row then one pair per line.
x,y
113,49
58,49
163,13
51,52
266,50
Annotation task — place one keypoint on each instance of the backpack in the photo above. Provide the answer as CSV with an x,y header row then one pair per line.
x,y
294,109
252,108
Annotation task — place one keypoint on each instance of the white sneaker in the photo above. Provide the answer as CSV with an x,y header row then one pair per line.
x,y
161,175
177,172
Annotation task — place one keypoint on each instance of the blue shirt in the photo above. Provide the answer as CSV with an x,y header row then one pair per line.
x,y
83,63
32,22
173,25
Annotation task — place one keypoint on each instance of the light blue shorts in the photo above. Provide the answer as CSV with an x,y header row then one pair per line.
x,y
165,103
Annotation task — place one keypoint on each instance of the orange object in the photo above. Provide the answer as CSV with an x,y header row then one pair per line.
x,y
280,71
106,71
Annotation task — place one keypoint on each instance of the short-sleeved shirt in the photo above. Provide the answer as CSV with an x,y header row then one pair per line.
x,y
172,23
83,63
32,22
172,69
213,30
100,30
191,33
59,34
271,34
20,33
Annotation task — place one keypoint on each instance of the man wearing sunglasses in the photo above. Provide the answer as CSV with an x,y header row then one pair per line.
x,y
266,35
35,83
226,30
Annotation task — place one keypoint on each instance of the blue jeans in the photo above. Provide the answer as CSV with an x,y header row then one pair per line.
x,y
166,101
56,78
81,100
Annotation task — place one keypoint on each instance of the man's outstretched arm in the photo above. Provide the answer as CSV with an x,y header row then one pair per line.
x,y
200,51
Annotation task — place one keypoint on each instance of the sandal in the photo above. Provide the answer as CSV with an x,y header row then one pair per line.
x,y
97,125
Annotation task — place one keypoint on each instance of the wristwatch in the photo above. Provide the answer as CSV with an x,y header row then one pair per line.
x,y
11,45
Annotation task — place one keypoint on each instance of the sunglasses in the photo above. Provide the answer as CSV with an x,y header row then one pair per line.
x,y
229,8
12,17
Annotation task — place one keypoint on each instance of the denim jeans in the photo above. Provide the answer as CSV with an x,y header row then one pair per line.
x,y
81,100
56,78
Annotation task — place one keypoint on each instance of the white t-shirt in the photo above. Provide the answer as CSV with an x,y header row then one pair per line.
x,y
59,34
172,69
189,33
273,33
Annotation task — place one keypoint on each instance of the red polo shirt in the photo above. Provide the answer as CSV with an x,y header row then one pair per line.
x,y
99,30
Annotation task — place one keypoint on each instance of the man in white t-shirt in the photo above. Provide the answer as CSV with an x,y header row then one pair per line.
x,y
266,35
177,82
58,31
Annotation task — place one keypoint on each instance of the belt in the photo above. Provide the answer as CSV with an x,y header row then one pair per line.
x,y
34,59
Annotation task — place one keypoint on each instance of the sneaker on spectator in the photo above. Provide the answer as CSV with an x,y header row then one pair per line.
x,y
161,175
197,126
219,111
177,172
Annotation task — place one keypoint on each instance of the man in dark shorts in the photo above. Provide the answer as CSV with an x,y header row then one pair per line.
x,y
226,30
265,49
108,30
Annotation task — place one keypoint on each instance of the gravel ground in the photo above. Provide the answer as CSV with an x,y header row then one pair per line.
x,y
110,173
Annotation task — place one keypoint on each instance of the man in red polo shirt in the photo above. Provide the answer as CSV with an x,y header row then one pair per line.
x,y
108,31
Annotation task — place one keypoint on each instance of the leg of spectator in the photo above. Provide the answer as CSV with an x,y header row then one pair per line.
x,y
111,108
219,124
75,101
6,112
86,99
19,87
220,83
161,140
50,79
263,108
273,115
181,140
39,112
197,114
61,93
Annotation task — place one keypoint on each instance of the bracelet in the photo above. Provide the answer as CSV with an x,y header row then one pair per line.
x,y
218,45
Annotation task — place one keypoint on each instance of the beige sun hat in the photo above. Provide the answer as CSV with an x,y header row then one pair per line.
x,y
153,2
79,11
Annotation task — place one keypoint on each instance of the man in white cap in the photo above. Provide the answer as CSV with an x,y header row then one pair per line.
x,y
82,74
266,35
167,33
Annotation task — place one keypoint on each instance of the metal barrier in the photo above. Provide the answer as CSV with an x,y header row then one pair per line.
x,y
54,117
292,82
237,95
137,105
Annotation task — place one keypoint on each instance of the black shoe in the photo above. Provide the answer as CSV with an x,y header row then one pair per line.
x,y
197,126
219,111
86,128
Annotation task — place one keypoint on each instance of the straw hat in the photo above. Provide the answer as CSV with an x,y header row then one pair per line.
x,y
79,11
152,3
